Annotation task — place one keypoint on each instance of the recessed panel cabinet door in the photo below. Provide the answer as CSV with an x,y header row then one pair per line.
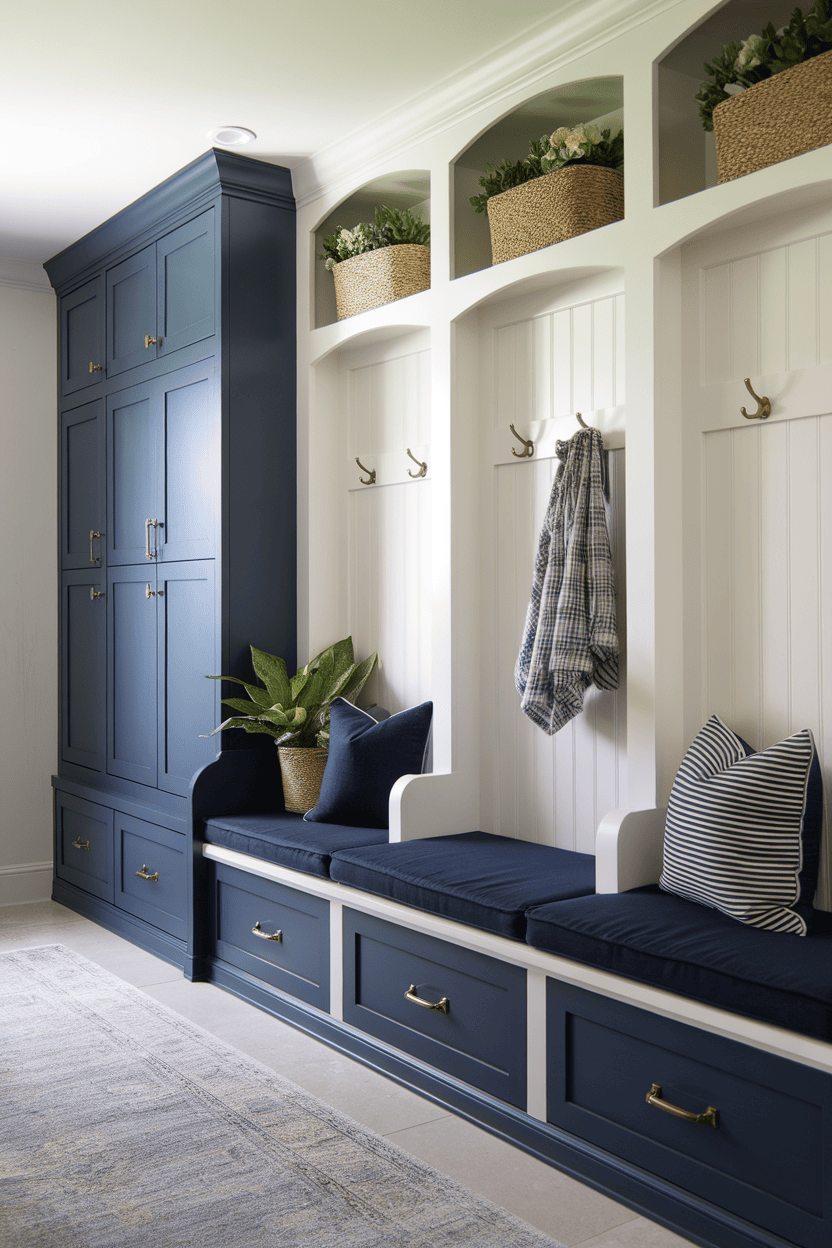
x,y
188,701
189,477
131,674
133,453
131,312
82,336
82,486
83,668
186,308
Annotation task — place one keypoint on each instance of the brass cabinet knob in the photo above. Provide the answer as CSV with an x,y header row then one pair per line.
x,y
150,342
95,593
96,368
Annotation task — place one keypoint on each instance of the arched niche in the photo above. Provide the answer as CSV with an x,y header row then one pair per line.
x,y
591,99
409,188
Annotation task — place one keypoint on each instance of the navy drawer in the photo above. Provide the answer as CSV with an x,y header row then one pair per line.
x,y
480,1034
84,845
150,873
248,910
769,1158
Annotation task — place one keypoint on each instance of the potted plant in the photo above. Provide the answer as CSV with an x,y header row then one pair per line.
x,y
570,182
378,262
770,97
295,711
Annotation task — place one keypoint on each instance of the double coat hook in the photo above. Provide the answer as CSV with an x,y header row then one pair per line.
x,y
527,443
763,404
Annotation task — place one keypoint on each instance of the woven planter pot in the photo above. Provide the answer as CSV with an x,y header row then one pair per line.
x,y
775,119
378,277
557,206
302,769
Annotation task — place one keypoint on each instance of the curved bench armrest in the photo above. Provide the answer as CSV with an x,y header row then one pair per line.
x,y
628,849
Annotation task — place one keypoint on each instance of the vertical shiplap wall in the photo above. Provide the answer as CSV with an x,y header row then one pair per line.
x,y
546,363
768,585
390,523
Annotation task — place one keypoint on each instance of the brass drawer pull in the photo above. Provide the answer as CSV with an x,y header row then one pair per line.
x,y
145,875
94,533
258,931
79,844
710,1118
443,1006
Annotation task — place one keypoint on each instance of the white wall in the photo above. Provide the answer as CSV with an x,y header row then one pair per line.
x,y
28,619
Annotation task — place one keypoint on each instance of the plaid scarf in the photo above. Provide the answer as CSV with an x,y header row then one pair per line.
x,y
570,639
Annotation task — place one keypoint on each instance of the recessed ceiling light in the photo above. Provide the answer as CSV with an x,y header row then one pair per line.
x,y
229,136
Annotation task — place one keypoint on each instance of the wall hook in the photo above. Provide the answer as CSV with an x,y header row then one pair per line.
x,y
422,467
581,420
371,480
763,404
527,443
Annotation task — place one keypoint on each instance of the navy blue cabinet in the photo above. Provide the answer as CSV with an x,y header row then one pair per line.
x,y
84,845
81,358
150,873
177,501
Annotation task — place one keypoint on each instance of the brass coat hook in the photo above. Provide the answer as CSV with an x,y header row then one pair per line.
x,y
422,467
371,480
527,443
581,420
763,404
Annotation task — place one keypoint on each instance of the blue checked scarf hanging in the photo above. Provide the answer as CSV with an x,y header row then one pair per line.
x,y
570,639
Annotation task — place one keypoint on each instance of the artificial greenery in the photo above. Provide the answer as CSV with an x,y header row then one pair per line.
x,y
295,710
762,56
582,145
390,227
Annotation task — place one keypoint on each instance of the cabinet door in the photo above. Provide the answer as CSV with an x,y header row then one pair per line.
x,y
82,486
187,654
82,336
131,311
188,481
186,307
133,455
83,668
131,674
84,845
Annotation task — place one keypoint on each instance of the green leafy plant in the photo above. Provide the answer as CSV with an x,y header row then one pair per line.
x,y
742,64
390,227
295,710
582,145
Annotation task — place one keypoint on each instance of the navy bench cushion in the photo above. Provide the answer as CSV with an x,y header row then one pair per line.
x,y
476,878
658,938
285,838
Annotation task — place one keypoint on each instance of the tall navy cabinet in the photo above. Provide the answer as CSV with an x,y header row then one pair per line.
x,y
177,517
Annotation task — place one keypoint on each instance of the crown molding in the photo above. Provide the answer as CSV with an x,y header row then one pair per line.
x,y
517,66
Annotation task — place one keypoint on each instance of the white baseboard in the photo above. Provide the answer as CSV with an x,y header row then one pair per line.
x,y
25,881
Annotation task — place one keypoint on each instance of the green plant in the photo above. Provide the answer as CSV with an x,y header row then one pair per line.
x,y
762,56
583,145
390,227
295,710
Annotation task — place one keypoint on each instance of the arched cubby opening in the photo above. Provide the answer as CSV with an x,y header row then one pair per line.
x,y
599,100
409,188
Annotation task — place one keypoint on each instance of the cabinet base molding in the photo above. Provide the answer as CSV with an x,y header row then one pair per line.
x,y
138,933
646,1195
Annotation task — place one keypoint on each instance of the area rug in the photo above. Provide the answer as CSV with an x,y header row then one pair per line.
x,y
121,1123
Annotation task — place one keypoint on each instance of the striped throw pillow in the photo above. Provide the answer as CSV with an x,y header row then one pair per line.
x,y
743,828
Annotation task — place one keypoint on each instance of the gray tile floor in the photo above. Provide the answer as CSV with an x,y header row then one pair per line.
x,y
565,1209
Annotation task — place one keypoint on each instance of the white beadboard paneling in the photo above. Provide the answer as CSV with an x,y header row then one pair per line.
x,y
768,586
552,790
389,404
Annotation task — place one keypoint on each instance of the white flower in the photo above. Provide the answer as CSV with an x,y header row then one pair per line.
x,y
748,57
558,137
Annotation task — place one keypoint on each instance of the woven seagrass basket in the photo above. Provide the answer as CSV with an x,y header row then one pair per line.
x,y
777,118
302,769
557,206
381,276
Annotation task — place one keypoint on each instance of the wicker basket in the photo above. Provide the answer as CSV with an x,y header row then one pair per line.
x,y
557,206
775,119
381,276
302,769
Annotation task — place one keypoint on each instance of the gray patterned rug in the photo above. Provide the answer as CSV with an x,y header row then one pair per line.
x,y
123,1124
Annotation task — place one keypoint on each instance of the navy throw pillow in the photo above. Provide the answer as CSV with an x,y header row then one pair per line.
x,y
366,759
743,829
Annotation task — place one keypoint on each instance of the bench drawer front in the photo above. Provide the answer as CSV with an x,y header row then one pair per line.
x,y
248,910
84,845
144,851
482,1036
769,1158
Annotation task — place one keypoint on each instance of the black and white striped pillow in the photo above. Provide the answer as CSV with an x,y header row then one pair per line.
x,y
743,829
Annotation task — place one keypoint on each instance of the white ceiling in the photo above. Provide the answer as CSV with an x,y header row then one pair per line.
x,y
101,100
